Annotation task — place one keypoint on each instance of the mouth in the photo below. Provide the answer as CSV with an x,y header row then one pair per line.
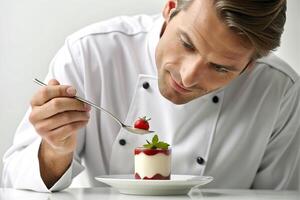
x,y
177,86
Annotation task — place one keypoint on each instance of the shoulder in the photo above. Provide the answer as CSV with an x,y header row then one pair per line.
x,y
271,78
122,25
276,73
276,65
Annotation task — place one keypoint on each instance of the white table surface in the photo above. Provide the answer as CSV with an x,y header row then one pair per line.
x,y
106,193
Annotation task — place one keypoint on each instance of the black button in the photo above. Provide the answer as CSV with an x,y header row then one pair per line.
x,y
215,99
146,85
200,160
122,142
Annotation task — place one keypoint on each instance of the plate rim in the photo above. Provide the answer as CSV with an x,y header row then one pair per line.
x,y
109,177
161,187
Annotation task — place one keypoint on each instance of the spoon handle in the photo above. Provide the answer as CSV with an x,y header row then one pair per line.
x,y
85,101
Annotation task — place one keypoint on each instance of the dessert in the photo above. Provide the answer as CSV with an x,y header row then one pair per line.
x,y
153,161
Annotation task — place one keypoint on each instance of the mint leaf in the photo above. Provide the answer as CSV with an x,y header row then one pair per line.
x,y
148,146
155,139
156,144
162,145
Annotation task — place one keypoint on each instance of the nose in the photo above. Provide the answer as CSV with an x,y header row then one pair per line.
x,y
191,71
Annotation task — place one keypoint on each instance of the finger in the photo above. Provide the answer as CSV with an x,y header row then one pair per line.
x,y
49,92
53,82
60,120
58,136
59,105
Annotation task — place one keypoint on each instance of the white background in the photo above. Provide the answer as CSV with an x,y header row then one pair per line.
x,y
32,31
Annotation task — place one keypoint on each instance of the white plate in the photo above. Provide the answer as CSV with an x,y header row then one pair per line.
x,y
179,184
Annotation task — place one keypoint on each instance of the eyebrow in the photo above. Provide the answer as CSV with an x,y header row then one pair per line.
x,y
187,37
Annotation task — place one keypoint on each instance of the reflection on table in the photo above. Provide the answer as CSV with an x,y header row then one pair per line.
x,y
111,194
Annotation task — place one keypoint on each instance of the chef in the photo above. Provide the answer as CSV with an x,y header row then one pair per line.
x,y
203,72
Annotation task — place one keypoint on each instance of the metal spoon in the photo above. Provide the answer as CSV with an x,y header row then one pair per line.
x,y
128,128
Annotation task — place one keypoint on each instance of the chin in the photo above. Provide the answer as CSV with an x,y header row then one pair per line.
x,y
174,98
177,101
167,92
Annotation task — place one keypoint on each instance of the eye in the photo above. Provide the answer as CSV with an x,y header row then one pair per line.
x,y
186,45
220,68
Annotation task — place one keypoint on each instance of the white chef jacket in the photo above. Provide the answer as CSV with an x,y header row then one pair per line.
x,y
245,135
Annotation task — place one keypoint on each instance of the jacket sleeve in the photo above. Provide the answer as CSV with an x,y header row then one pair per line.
x,y
280,166
21,165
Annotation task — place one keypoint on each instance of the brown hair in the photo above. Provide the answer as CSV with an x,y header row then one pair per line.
x,y
260,22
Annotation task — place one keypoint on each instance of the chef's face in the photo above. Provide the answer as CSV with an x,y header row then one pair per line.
x,y
197,53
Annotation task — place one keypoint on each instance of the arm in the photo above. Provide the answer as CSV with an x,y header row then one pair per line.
x,y
45,141
280,166
21,168
56,118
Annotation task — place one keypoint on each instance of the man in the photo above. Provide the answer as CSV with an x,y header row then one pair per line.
x,y
197,72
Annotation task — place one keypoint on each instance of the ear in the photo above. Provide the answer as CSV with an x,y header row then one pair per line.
x,y
168,9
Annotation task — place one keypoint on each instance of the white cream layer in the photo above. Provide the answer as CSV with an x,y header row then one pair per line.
x,y
146,165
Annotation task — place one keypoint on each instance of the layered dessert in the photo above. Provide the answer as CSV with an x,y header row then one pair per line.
x,y
153,161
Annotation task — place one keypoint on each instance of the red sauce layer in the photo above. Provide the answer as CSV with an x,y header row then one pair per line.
x,y
151,152
155,177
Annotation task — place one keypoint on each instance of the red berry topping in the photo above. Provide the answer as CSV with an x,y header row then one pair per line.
x,y
142,123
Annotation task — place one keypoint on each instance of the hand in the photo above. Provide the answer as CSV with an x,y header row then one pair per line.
x,y
57,117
